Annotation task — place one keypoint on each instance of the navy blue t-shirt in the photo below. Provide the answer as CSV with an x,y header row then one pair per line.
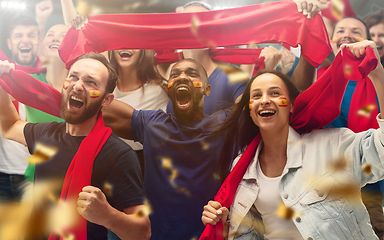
x,y
223,93
194,154
116,164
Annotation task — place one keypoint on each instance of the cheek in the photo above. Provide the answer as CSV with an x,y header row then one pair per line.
x,y
66,84
335,39
94,93
170,83
250,105
35,41
282,102
197,84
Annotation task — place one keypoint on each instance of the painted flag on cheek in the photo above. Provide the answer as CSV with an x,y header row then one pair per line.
x,y
197,84
250,105
282,101
169,85
66,84
94,93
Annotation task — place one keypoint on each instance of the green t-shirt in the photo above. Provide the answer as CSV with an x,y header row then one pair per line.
x,y
37,116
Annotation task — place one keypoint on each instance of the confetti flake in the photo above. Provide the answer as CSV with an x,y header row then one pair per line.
x,y
339,164
107,189
367,168
285,212
84,8
216,176
204,144
145,210
195,25
234,74
347,70
282,101
366,111
42,153
337,9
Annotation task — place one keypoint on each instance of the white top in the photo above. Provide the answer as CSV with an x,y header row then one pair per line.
x,y
13,155
148,97
267,203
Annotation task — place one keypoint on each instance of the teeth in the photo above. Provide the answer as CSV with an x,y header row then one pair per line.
x,y
266,111
54,46
184,105
182,89
76,99
124,54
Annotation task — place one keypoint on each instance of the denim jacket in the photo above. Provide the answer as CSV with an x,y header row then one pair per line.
x,y
321,182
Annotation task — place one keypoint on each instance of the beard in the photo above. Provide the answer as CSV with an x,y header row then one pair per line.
x,y
89,111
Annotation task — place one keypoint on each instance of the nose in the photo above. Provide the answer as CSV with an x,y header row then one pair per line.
x,y
78,86
265,101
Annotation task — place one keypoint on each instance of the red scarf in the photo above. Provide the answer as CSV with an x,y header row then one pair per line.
x,y
335,14
229,27
79,172
314,108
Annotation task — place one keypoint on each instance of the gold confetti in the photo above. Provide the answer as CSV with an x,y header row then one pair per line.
x,y
347,70
338,164
216,176
234,234
42,153
367,168
234,74
204,144
285,212
366,111
166,163
145,210
84,8
194,25
337,9
107,189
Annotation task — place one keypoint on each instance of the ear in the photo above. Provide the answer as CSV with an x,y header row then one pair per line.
x,y
207,90
9,43
107,99
291,110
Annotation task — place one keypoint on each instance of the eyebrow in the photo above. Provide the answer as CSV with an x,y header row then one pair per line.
x,y
271,88
189,69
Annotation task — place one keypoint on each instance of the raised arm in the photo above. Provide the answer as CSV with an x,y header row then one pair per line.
x,y
43,10
10,124
376,75
69,11
118,116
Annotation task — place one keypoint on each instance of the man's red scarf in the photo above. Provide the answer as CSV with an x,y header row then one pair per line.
x,y
79,173
277,22
314,108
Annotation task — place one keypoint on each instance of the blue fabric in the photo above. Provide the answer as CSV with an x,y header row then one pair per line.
x,y
11,187
223,93
177,205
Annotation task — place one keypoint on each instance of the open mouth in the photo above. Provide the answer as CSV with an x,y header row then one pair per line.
x,y
183,97
267,113
54,46
125,54
75,102
25,50
379,48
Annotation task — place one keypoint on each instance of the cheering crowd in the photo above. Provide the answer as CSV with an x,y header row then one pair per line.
x,y
199,124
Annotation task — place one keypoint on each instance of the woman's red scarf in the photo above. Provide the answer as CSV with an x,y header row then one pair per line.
x,y
277,22
79,173
314,108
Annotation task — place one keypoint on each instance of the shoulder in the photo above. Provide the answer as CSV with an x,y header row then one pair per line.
x,y
46,126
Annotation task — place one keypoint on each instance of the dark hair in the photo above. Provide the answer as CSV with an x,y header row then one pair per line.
x,y
239,128
112,75
22,20
374,19
198,64
358,19
145,67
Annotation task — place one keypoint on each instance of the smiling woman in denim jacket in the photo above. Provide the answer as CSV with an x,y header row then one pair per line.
x,y
302,186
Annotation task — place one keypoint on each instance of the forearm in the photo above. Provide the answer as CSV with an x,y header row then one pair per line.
x,y
118,116
10,123
304,74
129,226
69,11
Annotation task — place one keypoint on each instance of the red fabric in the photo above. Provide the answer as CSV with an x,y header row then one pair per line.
x,y
230,27
347,11
32,92
36,69
79,172
314,108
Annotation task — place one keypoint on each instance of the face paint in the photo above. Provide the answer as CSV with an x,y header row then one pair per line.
x,y
35,41
66,84
359,39
169,85
282,101
250,105
14,42
335,39
94,93
197,84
